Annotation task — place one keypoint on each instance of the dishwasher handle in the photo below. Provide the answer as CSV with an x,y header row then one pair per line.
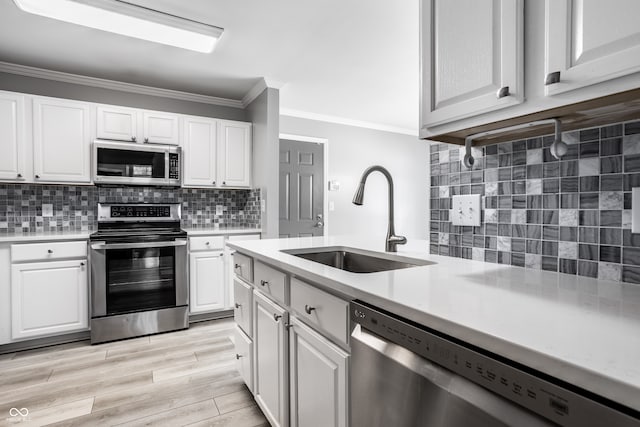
x,y
107,246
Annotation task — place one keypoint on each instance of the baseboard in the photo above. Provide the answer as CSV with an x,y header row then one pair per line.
x,y
214,315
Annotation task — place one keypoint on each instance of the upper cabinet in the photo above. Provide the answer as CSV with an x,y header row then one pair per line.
x,y
199,152
61,140
581,66
472,58
590,41
12,137
130,124
217,153
234,153
161,128
117,123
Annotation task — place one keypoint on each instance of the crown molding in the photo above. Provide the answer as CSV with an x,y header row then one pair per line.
x,y
42,73
258,88
346,121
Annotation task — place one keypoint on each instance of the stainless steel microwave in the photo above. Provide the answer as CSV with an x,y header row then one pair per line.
x,y
136,164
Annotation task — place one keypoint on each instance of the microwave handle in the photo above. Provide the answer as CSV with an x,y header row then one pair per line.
x,y
103,245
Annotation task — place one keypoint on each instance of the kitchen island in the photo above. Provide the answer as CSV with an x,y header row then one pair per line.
x,y
585,332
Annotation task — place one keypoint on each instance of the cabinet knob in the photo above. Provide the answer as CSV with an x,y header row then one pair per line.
x,y
49,251
308,309
133,138
277,317
37,176
264,282
502,92
82,264
238,305
146,140
207,243
552,78
237,266
214,183
19,175
238,356
224,182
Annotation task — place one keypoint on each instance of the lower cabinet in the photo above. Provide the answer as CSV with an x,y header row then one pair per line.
x,y
270,387
48,298
244,357
207,281
319,377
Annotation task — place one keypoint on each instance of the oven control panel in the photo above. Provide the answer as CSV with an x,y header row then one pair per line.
x,y
520,385
149,212
138,211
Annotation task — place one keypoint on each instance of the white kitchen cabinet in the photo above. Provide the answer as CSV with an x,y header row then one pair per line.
x,y
49,298
319,379
271,359
5,293
161,128
13,142
472,62
61,140
117,123
590,41
199,152
207,281
234,154
244,356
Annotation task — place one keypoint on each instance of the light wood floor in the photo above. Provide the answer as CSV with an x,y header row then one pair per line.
x,y
174,379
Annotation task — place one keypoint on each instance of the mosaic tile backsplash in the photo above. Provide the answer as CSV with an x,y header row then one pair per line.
x,y
571,215
74,208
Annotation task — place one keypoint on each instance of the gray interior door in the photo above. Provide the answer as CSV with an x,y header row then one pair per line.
x,y
301,189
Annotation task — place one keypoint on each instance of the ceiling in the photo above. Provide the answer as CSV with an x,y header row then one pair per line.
x,y
350,61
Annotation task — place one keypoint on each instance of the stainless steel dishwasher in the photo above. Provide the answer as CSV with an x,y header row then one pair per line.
x,y
405,375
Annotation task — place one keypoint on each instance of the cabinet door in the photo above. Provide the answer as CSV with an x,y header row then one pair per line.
x,y
12,137
270,358
207,281
61,140
48,298
199,152
472,62
318,379
117,123
161,128
590,41
234,154
244,356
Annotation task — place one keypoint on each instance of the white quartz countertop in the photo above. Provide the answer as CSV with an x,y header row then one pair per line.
x,y
583,331
209,231
44,236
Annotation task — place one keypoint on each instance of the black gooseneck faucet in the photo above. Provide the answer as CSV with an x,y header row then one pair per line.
x,y
392,240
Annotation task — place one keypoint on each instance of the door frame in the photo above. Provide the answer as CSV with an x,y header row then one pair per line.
x,y
325,186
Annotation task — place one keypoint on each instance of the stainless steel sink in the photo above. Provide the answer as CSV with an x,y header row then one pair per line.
x,y
357,260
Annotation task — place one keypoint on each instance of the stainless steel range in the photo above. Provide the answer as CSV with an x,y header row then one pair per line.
x,y
138,271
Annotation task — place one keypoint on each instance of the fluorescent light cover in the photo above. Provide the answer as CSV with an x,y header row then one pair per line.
x,y
119,17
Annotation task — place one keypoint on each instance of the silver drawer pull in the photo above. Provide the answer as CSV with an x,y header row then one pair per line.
x,y
264,282
238,356
82,264
237,266
49,251
552,78
277,317
238,305
207,243
502,92
308,309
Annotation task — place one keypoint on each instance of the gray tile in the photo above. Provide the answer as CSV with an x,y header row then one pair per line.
x,y
535,232
568,217
570,184
632,163
570,168
632,127
589,134
611,218
611,200
590,201
587,183
549,248
550,201
610,131
631,144
631,256
567,266
550,232
588,252
612,164
568,250
589,149
550,170
611,146
630,274
589,167
549,263
517,245
569,234
611,182
518,260
533,261
610,254
570,201
551,185
588,269
534,156
609,271
533,246
504,244
589,218
588,235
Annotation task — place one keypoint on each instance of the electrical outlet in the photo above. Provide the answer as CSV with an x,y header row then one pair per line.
x,y
47,210
465,210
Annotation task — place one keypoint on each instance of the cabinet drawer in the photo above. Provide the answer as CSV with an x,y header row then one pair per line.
x,y
46,251
203,243
270,281
242,307
244,357
243,266
329,313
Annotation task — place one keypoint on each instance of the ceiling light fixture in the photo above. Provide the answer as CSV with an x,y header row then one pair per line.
x,y
123,18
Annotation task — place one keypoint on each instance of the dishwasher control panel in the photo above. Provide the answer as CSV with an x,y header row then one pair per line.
x,y
535,391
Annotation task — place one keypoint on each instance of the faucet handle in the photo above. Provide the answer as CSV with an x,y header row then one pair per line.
x,y
394,241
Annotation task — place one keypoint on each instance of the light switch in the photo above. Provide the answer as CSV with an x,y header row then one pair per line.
x,y
635,210
465,210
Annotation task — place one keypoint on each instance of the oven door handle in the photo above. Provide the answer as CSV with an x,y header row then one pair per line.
x,y
106,246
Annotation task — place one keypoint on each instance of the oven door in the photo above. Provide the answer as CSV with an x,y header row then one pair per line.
x,y
137,277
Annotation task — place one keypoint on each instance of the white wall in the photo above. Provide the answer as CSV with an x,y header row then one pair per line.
x,y
351,151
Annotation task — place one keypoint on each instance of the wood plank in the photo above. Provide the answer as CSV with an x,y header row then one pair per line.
x,y
59,413
185,342
180,416
246,417
233,401
224,358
